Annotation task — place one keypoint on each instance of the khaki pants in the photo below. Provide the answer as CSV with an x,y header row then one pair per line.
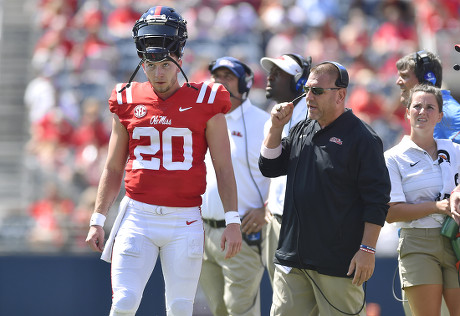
x,y
295,294
231,286
271,244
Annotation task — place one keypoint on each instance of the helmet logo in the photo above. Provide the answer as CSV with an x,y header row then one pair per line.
x,y
226,62
140,111
156,18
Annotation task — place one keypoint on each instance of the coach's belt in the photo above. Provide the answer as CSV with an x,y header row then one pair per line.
x,y
213,223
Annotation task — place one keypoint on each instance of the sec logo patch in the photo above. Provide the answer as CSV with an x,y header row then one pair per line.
x,y
140,111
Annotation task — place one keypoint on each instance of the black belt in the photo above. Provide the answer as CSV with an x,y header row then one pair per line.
x,y
213,223
278,217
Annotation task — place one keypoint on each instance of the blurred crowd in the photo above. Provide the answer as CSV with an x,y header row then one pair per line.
x,y
84,47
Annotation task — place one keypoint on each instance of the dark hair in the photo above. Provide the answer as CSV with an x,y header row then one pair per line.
x,y
421,62
427,88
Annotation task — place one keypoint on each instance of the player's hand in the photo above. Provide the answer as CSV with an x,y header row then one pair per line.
x,y
254,220
455,206
231,238
95,238
362,264
281,114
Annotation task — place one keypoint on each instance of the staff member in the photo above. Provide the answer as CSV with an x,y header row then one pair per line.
x,y
336,200
423,171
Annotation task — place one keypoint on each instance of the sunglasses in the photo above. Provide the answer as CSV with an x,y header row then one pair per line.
x,y
317,90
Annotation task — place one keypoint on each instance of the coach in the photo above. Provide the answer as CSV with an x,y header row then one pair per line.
x,y
336,200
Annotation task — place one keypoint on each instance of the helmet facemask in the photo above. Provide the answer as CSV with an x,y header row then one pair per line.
x,y
159,33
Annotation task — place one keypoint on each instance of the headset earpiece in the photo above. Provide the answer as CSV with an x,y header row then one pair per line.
x,y
424,68
244,82
343,79
299,79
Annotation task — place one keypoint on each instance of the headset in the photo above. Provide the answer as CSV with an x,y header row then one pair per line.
x,y
299,79
424,68
244,82
343,79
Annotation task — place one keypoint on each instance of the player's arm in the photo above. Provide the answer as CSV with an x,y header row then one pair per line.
x,y
219,148
110,182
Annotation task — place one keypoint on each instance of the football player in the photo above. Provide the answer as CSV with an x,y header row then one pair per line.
x,y
160,134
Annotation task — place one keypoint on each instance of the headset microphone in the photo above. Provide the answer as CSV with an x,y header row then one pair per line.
x,y
299,97
234,96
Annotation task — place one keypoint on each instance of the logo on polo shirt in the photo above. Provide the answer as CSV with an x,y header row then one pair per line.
x,y
336,140
443,156
413,164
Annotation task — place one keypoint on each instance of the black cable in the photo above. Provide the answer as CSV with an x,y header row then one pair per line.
x,y
250,174
247,156
330,304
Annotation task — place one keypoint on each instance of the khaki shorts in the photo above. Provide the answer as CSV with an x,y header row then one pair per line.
x,y
426,257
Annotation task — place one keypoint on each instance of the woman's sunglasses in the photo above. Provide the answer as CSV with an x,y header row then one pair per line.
x,y
316,90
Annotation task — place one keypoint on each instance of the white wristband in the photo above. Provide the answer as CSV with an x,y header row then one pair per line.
x,y
232,217
97,219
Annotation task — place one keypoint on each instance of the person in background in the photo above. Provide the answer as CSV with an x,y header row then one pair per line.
x,y
286,77
232,286
160,134
423,172
425,67
336,200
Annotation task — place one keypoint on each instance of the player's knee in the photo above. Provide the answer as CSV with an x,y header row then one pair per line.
x,y
125,303
180,307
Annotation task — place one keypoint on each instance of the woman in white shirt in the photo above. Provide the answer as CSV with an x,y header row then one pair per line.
x,y
423,172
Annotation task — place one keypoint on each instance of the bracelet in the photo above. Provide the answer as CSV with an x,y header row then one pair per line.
x,y
232,217
97,219
367,249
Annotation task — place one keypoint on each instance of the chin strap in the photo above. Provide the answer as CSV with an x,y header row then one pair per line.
x,y
139,66
132,76
183,73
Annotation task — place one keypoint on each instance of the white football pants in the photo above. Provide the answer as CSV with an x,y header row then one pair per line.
x,y
174,233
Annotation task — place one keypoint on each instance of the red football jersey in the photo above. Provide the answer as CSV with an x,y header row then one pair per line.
x,y
167,140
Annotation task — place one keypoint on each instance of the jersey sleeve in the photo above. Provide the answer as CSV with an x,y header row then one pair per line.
x,y
222,104
118,97
215,96
113,105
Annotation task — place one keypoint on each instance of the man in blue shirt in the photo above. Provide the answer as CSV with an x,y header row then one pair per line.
x,y
425,67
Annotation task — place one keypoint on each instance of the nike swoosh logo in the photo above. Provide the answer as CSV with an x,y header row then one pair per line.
x,y
184,109
191,222
413,164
